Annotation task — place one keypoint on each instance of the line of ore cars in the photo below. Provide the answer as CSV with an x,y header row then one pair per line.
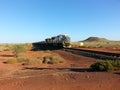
x,y
60,41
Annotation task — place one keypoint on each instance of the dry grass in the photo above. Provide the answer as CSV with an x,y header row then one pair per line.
x,y
96,42
7,47
4,47
113,45
11,61
53,59
46,57
33,61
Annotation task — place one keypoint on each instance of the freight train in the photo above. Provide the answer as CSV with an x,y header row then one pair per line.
x,y
59,41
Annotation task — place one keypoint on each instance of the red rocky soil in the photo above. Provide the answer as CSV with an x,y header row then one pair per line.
x,y
71,75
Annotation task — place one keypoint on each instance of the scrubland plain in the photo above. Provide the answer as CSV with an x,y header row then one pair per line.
x,y
54,70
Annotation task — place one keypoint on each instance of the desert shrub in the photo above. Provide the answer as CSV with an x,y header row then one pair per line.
x,y
53,59
46,59
116,64
21,60
16,60
33,61
4,47
106,65
102,66
28,46
51,62
11,61
57,58
17,49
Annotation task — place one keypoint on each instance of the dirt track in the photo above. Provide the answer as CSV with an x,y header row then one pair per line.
x,y
60,76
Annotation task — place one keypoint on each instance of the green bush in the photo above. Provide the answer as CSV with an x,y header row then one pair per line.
x,y
116,64
106,65
102,66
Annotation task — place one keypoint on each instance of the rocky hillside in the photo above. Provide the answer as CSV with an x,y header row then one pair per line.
x,y
95,39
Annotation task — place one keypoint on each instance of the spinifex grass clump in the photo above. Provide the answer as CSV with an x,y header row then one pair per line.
x,y
17,49
106,65
47,57
33,61
16,60
53,59
116,64
11,61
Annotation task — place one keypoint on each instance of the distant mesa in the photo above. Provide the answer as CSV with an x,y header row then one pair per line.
x,y
95,39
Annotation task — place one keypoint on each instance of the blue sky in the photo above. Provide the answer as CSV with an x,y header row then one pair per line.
x,y
35,20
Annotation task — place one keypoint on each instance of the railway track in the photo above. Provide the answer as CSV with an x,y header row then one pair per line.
x,y
95,54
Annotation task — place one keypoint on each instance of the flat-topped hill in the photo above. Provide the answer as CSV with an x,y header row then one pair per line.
x,y
96,39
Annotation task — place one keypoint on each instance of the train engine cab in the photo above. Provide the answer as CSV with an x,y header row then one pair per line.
x,y
65,40
61,41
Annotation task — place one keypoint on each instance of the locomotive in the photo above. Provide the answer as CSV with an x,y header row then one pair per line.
x,y
59,41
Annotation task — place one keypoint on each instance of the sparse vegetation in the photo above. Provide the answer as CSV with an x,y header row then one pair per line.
x,y
11,61
17,49
21,60
47,57
116,64
96,39
33,61
53,59
95,42
4,47
106,65
16,60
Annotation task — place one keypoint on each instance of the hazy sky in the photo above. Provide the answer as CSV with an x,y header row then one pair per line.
x,y
35,20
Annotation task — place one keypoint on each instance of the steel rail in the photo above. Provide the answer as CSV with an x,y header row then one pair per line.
x,y
95,54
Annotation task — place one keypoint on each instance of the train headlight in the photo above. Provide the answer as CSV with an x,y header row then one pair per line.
x,y
81,44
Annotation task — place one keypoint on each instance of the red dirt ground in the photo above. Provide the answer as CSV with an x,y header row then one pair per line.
x,y
103,50
71,75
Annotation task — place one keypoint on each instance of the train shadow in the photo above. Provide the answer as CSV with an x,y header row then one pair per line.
x,y
45,47
63,69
